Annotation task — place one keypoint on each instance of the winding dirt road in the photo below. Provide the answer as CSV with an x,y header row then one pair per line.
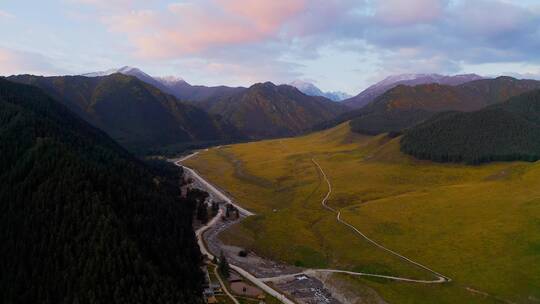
x,y
261,282
440,278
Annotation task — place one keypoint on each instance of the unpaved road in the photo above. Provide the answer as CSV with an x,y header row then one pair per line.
x,y
440,278
261,282
256,281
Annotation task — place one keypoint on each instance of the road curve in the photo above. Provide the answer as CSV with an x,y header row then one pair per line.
x,y
211,187
440,278
199,233
200,240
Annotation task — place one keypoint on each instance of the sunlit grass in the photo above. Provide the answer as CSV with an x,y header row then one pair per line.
x,y
479,225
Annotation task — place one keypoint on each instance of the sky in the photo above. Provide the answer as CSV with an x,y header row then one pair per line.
x,y
339,45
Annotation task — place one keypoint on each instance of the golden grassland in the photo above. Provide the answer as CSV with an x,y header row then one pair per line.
x,y
479,225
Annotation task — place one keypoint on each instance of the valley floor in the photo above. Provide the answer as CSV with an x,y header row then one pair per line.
x,y
478,225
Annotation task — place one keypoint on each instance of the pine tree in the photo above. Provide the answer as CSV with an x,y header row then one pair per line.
x,y
224,265
202,213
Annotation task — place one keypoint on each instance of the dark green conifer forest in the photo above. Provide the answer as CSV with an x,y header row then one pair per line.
x,y
503,132
81,220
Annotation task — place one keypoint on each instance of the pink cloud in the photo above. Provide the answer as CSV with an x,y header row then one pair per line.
x,y
266,16
190,28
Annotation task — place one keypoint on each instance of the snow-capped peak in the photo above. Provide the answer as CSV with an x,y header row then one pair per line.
x,y
169,80
404,77
126,70
309,88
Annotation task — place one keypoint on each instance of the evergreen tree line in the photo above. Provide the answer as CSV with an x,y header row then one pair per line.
x,y
81,220
504,132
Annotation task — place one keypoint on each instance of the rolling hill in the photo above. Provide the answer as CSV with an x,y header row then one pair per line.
x,y
376,90
133,112
266,110
81,220
502,132
405,106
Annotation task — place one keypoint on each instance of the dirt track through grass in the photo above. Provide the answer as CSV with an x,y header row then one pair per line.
x,y
441,278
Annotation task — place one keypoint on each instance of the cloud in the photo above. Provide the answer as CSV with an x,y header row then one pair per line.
x,y
450,35
19,62
491,18
6,15
240,38
399,12
107,4
192,27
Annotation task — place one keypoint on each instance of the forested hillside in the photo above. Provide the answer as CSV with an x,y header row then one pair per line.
x,y
134,113
503,132
81,221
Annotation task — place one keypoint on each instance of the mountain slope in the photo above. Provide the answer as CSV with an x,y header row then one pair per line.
x,y
311,90
196,93
404,106
81,221
173,85
267,110
134,113
502,132
376,90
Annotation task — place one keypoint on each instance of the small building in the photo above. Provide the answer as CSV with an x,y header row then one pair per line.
x,y
211,300
215,287
234,278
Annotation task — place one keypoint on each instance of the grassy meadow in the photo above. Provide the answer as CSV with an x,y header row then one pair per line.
x,y
479,225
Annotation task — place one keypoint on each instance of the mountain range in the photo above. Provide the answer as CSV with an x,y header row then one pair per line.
x,y
376,90
172,85
268,110
146,115
133,112
310,89
405,106
131,108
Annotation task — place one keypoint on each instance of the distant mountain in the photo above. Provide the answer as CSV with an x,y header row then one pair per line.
x,y
405,106
133,112
196,93
81,220
131,71
501,132
310,89
266,110
173,85
376,90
